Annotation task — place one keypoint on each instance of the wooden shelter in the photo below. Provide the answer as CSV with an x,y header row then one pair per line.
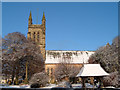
x,y
91,70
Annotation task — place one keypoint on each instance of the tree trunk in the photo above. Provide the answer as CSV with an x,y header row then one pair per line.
x,y
13,75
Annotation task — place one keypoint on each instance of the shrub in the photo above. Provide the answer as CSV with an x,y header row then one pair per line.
x,y
39,79
35,85
111,80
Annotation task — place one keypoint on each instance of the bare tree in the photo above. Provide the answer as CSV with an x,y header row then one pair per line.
x,y
65,68
17,50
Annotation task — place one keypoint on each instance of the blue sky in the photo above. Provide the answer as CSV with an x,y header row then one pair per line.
x,y
69,26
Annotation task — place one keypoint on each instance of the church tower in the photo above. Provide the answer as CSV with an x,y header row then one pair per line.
x,y
36,32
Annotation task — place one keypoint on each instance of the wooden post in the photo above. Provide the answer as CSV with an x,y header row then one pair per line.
x,y
101,83
83,83
26,76
92,81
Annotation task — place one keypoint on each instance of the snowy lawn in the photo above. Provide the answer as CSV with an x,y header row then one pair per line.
x,y
51,86
77,85
80,85
16,86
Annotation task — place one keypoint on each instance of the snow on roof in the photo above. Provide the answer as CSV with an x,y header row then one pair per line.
x,y
76,57
92,70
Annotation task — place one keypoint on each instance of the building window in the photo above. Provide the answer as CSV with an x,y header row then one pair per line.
x,y
34,36
29,35
51,71
38,36
47,71
87,53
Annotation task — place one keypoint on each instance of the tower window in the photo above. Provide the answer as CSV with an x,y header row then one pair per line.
x,y
29,35
38,36
34,36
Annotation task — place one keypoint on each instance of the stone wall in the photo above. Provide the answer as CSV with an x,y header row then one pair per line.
x,y
36,33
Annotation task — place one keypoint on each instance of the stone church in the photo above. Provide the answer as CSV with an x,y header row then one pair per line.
x,y
52,58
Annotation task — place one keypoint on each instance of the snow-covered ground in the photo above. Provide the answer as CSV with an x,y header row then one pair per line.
x,y
73,85
50,86
80,85
16,86
77,85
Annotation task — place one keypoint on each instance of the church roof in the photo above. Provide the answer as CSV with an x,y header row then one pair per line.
x,y
73,57
92,70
